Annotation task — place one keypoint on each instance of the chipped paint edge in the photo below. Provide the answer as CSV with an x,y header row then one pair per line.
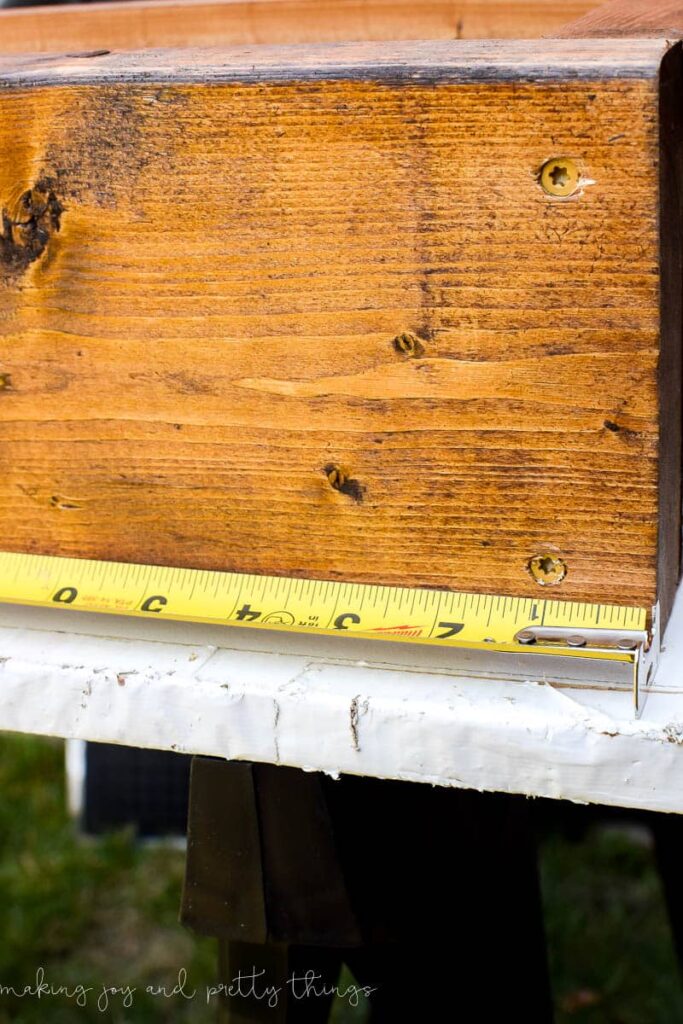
x,y
309,709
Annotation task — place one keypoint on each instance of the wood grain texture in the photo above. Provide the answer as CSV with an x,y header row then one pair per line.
x,y
171,23
642,18
202,284
670,370
659,18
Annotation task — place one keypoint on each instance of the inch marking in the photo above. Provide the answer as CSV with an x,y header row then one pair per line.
x,y
449,618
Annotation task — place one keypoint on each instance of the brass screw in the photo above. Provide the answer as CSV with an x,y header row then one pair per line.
x,y
547,570
559,177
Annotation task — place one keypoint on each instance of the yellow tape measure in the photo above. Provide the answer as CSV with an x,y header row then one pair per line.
x,y
313,606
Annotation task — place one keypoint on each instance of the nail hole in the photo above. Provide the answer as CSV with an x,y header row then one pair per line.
x,y
63,504
340,480
408,344
5,382
336,476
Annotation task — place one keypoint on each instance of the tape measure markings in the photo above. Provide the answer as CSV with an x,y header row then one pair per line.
x,y
370,610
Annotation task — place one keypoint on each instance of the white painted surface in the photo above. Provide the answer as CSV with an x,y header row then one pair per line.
x,y
76,768
343,705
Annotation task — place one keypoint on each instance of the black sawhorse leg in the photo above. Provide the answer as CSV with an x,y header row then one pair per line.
x,y
430,896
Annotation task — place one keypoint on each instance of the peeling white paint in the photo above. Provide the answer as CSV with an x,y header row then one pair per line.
x,y
341,705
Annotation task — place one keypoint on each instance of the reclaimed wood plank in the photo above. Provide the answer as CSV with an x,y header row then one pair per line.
x,y
206,263
663,19
176,23
640,18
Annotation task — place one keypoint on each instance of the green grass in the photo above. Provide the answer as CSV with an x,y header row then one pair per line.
x,y
610,945
105,913
94,913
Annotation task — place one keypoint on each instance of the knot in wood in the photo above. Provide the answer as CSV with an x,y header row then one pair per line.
x,y
26,231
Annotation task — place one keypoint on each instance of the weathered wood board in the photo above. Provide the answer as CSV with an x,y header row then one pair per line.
x,y
141,23
206,259
663,18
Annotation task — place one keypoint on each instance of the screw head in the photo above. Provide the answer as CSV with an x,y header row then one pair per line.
x,y
624,644
559,177
547,570
526,637
576,641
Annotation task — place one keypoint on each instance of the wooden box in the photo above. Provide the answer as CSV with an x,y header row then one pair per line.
x,y
324,311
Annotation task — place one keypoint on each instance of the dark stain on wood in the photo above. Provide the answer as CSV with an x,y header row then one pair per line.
x,y
110,149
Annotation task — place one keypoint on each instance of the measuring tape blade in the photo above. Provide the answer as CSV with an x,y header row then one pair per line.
x,y
447,618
